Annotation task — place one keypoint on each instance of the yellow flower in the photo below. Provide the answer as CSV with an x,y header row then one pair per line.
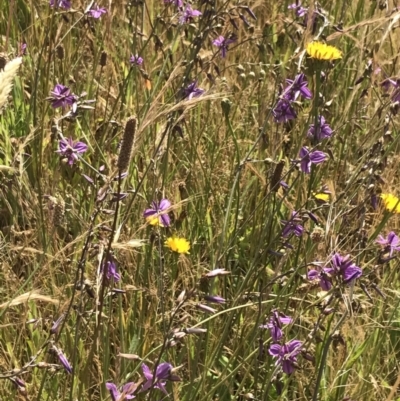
x,y
322,197
391,202
154,221
322,51
180,245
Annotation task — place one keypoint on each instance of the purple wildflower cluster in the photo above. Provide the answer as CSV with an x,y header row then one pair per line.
x,y
285,353
341,268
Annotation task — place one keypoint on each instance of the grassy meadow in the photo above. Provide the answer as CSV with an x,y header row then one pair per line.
x,y
199,201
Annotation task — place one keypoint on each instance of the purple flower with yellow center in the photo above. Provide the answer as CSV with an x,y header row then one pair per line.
x,y
223,44
158,213
322,131
292,226
159,379
308,158
61,96
391,242
188,14
136,60
283,111
286,355
66,4
297,87
343,266
71,150
125,393
192,90
275,325
96,11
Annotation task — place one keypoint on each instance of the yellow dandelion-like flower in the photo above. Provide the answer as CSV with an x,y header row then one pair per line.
x,y
391,202
180,245
322,51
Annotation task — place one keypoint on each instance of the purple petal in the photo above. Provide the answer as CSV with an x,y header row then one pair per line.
x,y
164,204
275,350
147,372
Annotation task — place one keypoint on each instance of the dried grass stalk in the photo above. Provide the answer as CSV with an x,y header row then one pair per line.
x,y
7,77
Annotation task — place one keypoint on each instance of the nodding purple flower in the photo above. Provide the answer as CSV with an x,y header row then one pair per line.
x,y
308,158
391,243
112,270
215,299
157,214
343,266
283,111
292,226
188,14
178,3
136,60
297,87
322,131
223,44
96,11
387,83
126,392
71,150
286,355
63,359
192,91
275,324
66,4
61,96
163,373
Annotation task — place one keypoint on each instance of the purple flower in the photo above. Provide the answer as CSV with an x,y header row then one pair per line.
x,y
61,96
157,214
343,266
297,87
283,111
292,226
71,150
275,324
96,11
324,277
188,14
223,44
286,354
391,243
112,270
192,91
178,3
308,158
22,49
136,60
126,392
323,130
163,373
61,3
300,11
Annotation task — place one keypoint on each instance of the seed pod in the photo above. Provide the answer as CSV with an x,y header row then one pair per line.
x,y
127,144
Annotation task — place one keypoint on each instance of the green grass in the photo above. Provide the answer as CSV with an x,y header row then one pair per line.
x,y
214,158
